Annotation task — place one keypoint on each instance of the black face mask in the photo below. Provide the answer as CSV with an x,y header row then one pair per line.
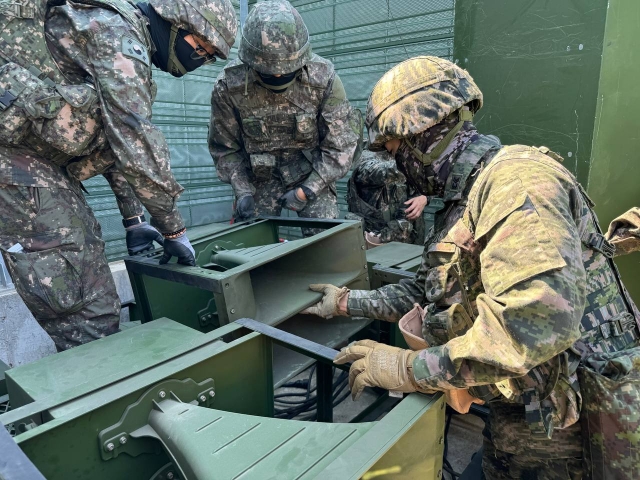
x,y
160,30
278,84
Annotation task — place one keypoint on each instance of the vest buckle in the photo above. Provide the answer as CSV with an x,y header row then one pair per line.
x,y
597,242
6,99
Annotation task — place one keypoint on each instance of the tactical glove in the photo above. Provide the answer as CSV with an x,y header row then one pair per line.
x,y
140,238
179,247
378,365
245,208
291,201
328,306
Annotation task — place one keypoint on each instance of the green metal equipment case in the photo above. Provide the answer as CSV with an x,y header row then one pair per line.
x,y
163,401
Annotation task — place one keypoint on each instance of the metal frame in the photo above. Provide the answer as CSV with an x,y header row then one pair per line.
x,y
15,465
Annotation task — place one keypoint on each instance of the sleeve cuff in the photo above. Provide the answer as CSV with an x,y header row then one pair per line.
x,y
168,223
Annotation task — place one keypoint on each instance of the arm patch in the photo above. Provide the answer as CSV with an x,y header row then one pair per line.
x,y
135,49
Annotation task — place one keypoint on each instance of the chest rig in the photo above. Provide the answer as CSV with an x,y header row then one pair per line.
x,y
281,131
39,107
609,322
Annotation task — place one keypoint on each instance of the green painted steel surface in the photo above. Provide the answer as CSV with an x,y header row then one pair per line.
x,y
267,284
236,439
537,63
614,181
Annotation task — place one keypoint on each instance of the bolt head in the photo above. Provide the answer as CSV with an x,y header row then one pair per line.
x,y
212,393
122,440
203,398
233,310
441,440
362,247
162,394
110,447
170,476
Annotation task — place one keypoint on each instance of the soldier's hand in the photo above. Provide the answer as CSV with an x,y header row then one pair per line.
x,y
378,365
140,238
415,207
179,247
329,305
245,208
294,200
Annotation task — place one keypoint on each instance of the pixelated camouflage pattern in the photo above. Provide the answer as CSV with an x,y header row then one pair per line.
x,y
415,95
212,20
376,194
310,128
268,193
498,465
610,386
527,301
126,92
275,39
624,232
62,275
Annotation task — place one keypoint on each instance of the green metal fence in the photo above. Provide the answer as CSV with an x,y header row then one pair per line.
x,y
363,38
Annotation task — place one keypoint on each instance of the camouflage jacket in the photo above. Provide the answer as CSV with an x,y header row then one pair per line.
x,y
514,278
376,194
311,128
102,47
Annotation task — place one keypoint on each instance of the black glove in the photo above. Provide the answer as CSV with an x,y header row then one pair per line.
x,y
179,247
245,208
290,201
140,238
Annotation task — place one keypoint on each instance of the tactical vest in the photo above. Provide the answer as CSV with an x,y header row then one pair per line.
x,y
282,124
609,323
39,107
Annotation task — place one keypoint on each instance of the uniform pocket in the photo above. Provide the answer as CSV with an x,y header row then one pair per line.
x,y
254,128
306,126
49,280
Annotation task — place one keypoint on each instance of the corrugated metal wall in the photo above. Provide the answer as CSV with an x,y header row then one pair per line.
x,y
363,38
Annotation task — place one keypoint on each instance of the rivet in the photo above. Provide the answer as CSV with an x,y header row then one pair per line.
x,y
226,285
441,440
123,440
362,247
162,394
170,476
203,398
366,266
233,310
110,447
212,393
439,474
366,278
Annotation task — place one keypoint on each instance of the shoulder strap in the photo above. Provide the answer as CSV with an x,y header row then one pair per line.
x,y
465,164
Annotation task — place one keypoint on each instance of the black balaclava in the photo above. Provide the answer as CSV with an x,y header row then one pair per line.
x,y
278,84
160,30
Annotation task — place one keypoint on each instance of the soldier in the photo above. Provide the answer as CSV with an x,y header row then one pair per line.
x,y
518,286
282,130
377,194
76,94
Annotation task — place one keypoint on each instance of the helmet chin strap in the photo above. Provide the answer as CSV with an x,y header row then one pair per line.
x,y
429,158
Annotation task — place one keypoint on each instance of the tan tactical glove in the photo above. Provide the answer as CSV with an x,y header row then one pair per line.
x,y
378,365
327,307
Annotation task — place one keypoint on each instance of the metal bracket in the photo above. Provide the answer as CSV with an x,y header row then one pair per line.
x,y
209,315
118,438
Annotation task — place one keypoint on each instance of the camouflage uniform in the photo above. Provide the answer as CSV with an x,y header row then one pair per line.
x,y
82,108
514,274
624,232
266,144
376,194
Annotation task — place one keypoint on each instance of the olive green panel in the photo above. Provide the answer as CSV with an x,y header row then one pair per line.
x,y
614,181
537,63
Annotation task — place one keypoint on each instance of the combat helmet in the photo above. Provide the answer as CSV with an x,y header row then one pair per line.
x,y
417,94
275,40
212,20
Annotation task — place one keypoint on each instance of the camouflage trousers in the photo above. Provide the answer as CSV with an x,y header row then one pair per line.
x,y
512,452
59,267
325,205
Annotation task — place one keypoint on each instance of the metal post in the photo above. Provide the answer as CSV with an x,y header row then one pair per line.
x,y
324,380
244,11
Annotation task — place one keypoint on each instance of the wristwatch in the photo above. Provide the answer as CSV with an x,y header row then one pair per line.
x,y
130,222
